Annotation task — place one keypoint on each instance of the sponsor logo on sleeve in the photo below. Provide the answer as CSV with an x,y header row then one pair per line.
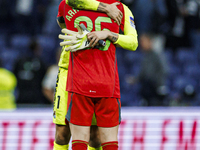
x,y
132,22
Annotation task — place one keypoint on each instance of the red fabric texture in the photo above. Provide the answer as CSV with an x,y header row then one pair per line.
x,y
79,145
82,108
93,72
110,145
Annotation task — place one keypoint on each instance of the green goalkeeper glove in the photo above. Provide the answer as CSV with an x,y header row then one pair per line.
x,y
75,40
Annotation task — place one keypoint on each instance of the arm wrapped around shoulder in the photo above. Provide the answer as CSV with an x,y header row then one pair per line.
x,y
84,4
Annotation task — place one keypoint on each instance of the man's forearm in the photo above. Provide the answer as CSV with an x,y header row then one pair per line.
x,y
76,3
102,7
84,4
113,37
110,9
128,42
88,5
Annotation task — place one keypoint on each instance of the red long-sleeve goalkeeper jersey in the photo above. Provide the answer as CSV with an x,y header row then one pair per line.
x,y
92,72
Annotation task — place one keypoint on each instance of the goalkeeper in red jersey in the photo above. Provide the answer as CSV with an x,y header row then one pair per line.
x,y
63,135
102,85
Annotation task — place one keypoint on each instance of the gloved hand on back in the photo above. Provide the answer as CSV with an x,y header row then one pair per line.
x,y
75,40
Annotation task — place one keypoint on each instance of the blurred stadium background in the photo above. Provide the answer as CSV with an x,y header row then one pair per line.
x,y
169,120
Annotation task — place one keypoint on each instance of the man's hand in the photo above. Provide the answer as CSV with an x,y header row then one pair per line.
x,y
95,36
112,11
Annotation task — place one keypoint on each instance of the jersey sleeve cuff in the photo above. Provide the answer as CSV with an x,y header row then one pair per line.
x,y
118,39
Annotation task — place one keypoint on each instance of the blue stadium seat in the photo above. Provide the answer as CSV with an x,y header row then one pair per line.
x,y
174,71
192,71
49,47
169,83
8,57
135,69
129,99
46,42
124,85
196,102
121,69
120,55
169,56
20,42
195,40
132,56
186,56
180,82
2,41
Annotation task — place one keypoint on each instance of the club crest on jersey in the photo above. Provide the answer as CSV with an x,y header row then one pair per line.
x,y
132,22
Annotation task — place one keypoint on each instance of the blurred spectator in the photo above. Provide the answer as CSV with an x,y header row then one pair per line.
x,y
183,16
6,20
49,81
171,21
142,14
191,12
158,18
50,25
4,10
149,15
29,16
30,70
186,97
8,84
152,76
